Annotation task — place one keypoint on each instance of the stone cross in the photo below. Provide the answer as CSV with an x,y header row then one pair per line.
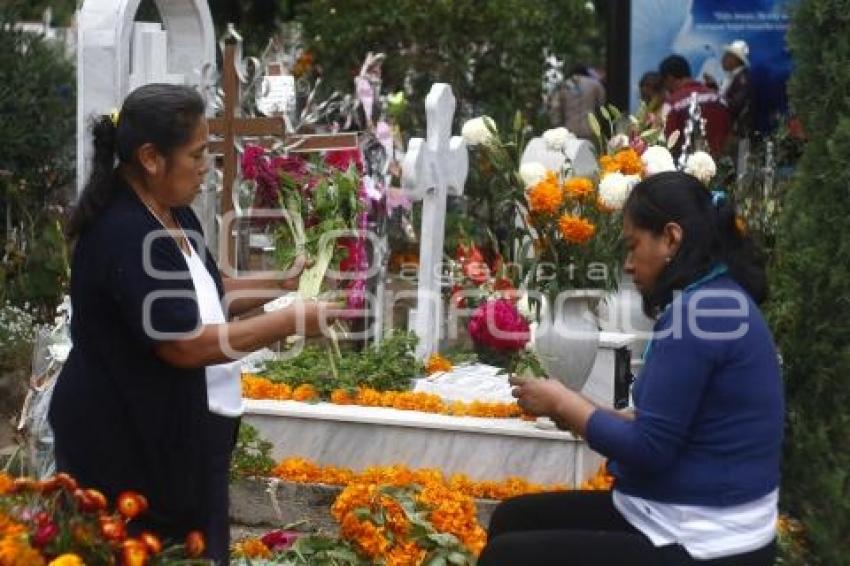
x,y
149,63
116,54
433,168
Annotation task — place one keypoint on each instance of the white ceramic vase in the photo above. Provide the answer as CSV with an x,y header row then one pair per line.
x,y
567,337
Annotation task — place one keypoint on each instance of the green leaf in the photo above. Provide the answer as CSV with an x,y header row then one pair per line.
x,y
458,558
605,114
444,539
594,125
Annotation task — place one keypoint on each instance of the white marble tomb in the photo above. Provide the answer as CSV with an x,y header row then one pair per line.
x,y
483,448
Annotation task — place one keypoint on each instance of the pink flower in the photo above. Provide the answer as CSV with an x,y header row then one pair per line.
x,y
253,158
638,144
279,540
357,294
497,324
293,165
45,534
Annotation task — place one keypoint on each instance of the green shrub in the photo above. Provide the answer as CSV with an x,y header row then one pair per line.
x,y
811,284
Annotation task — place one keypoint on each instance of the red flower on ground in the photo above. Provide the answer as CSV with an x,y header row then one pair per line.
x,y
280,540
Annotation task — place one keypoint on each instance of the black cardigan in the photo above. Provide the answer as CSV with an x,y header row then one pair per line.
x,y
124,419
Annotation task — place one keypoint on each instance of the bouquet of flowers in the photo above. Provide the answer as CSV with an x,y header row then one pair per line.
x,y
325,214
54,522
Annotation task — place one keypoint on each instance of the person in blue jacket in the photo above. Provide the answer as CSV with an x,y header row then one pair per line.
x,y
696,462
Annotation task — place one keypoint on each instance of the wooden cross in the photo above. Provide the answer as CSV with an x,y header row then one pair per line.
x,y
231,126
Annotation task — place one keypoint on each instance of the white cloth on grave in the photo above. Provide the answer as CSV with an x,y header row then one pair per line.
x,y
224,381
467,383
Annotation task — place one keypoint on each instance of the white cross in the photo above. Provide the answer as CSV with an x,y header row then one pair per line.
x,y
149,63
433,168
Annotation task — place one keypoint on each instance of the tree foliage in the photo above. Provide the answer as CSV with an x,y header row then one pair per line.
x,y
811,278
37,101
491,53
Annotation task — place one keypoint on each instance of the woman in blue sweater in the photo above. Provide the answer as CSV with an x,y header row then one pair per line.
x,y
696,463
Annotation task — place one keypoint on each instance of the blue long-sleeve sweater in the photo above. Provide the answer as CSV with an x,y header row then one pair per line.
x,y
709,406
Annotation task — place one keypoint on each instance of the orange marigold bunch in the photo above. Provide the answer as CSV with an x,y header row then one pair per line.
x,y
7,484
547,196
437,363
454,513
626,161
575,229
298,470
602,481
305,392
252,548
342,397
629,161
16,551
256,387
578,188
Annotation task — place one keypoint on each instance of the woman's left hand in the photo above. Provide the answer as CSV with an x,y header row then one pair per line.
x,y
539,396
294,273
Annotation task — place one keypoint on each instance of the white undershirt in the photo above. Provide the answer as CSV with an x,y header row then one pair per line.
x,y
705,532
224,384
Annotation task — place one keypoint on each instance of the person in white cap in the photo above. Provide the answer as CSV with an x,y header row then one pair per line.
x,y
736,88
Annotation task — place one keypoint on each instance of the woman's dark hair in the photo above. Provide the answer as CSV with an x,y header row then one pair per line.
x,y
675,66
160,114
711,236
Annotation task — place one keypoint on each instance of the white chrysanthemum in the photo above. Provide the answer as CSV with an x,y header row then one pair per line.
x,y
532,172
618,142
477,130
701,166
556,139
614,189
657,159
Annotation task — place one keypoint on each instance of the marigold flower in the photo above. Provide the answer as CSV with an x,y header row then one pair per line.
x,y
67,560
305,392
608,164
130,504
576,230
14,551
252,548
578,188
436,363
134,553
341,397
195,544
7,484
629,162
547,196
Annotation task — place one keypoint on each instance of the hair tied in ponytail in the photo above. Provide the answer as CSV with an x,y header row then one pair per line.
x,y
718,198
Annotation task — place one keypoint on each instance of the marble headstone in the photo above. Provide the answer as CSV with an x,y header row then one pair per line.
x,y
116,54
